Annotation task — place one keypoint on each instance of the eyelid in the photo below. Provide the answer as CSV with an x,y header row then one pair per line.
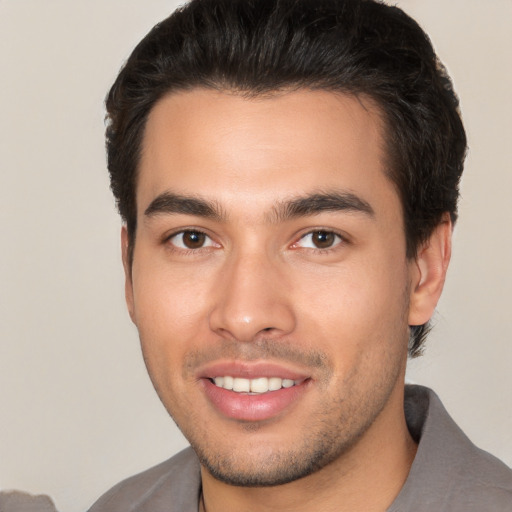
x,y
339,240
210,242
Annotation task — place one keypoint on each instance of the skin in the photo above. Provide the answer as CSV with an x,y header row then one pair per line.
x,y
258,289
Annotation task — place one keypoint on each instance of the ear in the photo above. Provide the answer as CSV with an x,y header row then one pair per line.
x,y
127,264
429,272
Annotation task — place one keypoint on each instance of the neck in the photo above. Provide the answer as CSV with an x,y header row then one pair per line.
x,y
368,477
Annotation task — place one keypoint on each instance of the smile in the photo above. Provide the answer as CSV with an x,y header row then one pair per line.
x,y
253,386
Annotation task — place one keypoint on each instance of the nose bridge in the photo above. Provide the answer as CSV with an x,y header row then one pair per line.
x,y
251,297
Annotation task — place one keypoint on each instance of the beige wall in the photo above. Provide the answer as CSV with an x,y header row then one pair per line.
x,y
77,410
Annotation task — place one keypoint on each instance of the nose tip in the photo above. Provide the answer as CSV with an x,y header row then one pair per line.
x,y
252,302
255,317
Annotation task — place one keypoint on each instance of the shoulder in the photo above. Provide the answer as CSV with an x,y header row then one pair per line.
x,y
175,481
484,482
449,472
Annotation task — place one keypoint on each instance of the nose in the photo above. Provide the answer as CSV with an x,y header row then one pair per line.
x,y
252,299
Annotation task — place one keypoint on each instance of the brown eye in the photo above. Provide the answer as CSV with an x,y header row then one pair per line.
x,y
320,239
323,239
191,240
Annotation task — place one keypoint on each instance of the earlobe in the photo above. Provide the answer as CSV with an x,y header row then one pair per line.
x,y
128,285
429,273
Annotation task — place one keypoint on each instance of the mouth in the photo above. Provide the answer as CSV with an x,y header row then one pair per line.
x,y
256,386
253,392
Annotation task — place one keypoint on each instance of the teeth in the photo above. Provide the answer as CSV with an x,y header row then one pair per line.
x,y
274,383
257,386
241,385
287,383
228,383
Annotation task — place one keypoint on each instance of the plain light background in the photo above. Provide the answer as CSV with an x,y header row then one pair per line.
x,y
77,410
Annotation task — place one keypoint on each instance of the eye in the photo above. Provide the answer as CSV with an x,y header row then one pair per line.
x,y
320,239
191,239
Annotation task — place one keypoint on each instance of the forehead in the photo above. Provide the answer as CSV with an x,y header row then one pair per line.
x,y
232,149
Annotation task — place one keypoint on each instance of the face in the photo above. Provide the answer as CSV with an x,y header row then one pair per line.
x,y
269,284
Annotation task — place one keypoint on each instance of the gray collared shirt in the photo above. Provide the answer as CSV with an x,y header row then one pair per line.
x,y
449,473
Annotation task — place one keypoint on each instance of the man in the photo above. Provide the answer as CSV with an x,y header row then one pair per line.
x,y
288,176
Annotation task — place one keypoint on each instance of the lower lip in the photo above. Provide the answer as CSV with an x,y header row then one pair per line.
x,y
246,407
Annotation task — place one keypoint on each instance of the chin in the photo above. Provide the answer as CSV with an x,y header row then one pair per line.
x,y
270,464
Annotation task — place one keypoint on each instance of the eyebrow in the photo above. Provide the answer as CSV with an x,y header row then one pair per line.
x,y
318,203
169,203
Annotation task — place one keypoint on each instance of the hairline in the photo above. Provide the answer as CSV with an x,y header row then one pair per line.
x,y
365,99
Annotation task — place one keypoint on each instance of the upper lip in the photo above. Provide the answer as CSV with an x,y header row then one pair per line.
x,y
249,370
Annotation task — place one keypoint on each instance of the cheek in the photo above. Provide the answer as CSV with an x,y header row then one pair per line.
x,y
167,301
355,309
170,316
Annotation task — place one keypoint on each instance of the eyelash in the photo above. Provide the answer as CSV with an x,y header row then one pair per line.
x,y
168,240
339,240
